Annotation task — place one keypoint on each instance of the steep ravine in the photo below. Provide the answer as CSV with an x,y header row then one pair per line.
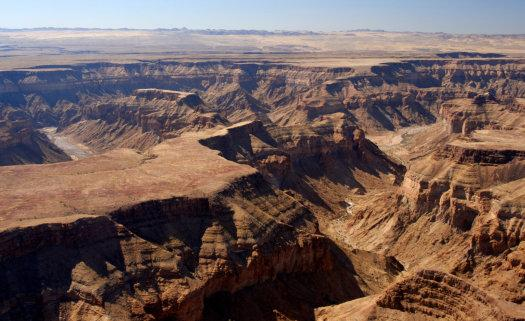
x,y
178,258
237,187
100,106
459,210
169,259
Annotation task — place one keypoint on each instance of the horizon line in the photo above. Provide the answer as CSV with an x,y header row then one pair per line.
x,y
261,31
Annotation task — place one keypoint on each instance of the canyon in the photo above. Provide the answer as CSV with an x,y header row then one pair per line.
x,y
234,189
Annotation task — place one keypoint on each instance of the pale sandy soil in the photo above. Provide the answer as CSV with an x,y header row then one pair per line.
x,y
400,144
73,149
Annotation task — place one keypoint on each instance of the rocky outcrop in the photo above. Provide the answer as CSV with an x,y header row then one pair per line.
x,y
441,295
289,157
187,229
180,97
20,143
472,155
388,97
426,295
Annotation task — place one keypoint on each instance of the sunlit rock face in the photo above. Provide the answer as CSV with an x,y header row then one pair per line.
x,y
220,190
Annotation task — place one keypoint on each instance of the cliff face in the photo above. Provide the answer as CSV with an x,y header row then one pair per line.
x,y
162,259
400,94
320,161
140,120
97,99
464,116
206,220
21,143
428,295
467,192
187,230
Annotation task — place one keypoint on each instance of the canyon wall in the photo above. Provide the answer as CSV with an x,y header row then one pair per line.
x,y
248,180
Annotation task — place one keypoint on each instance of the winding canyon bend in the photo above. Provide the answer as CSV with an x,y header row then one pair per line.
x,y
246,189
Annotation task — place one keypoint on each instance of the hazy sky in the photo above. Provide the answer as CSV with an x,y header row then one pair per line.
x,y
456,16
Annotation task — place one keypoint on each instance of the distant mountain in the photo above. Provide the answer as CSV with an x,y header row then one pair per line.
x,y
184,30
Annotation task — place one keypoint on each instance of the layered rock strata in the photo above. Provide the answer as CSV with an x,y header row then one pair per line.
x,y
164,235
99,99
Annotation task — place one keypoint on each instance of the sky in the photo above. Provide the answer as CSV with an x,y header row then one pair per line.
x,y
452,16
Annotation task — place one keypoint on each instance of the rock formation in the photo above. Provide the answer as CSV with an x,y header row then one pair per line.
x,y
21,143
168,233
110,105
222,190
467,192
427,295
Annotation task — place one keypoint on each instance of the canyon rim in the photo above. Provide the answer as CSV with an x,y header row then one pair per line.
x,y
219,174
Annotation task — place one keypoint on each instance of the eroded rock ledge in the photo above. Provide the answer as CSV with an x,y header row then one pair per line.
x,y
426,295
138,105
160,235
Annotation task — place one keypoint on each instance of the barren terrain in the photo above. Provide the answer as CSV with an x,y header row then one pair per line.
x,y
245,175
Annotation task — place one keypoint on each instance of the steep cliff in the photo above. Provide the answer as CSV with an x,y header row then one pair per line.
x,y
99,99
207,217
176,232
426,295
21,143
323,161
466,191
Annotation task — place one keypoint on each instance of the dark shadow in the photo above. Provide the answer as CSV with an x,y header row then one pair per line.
x,y
33,284
292,295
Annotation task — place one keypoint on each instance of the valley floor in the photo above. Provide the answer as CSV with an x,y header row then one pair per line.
x,y
73,149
